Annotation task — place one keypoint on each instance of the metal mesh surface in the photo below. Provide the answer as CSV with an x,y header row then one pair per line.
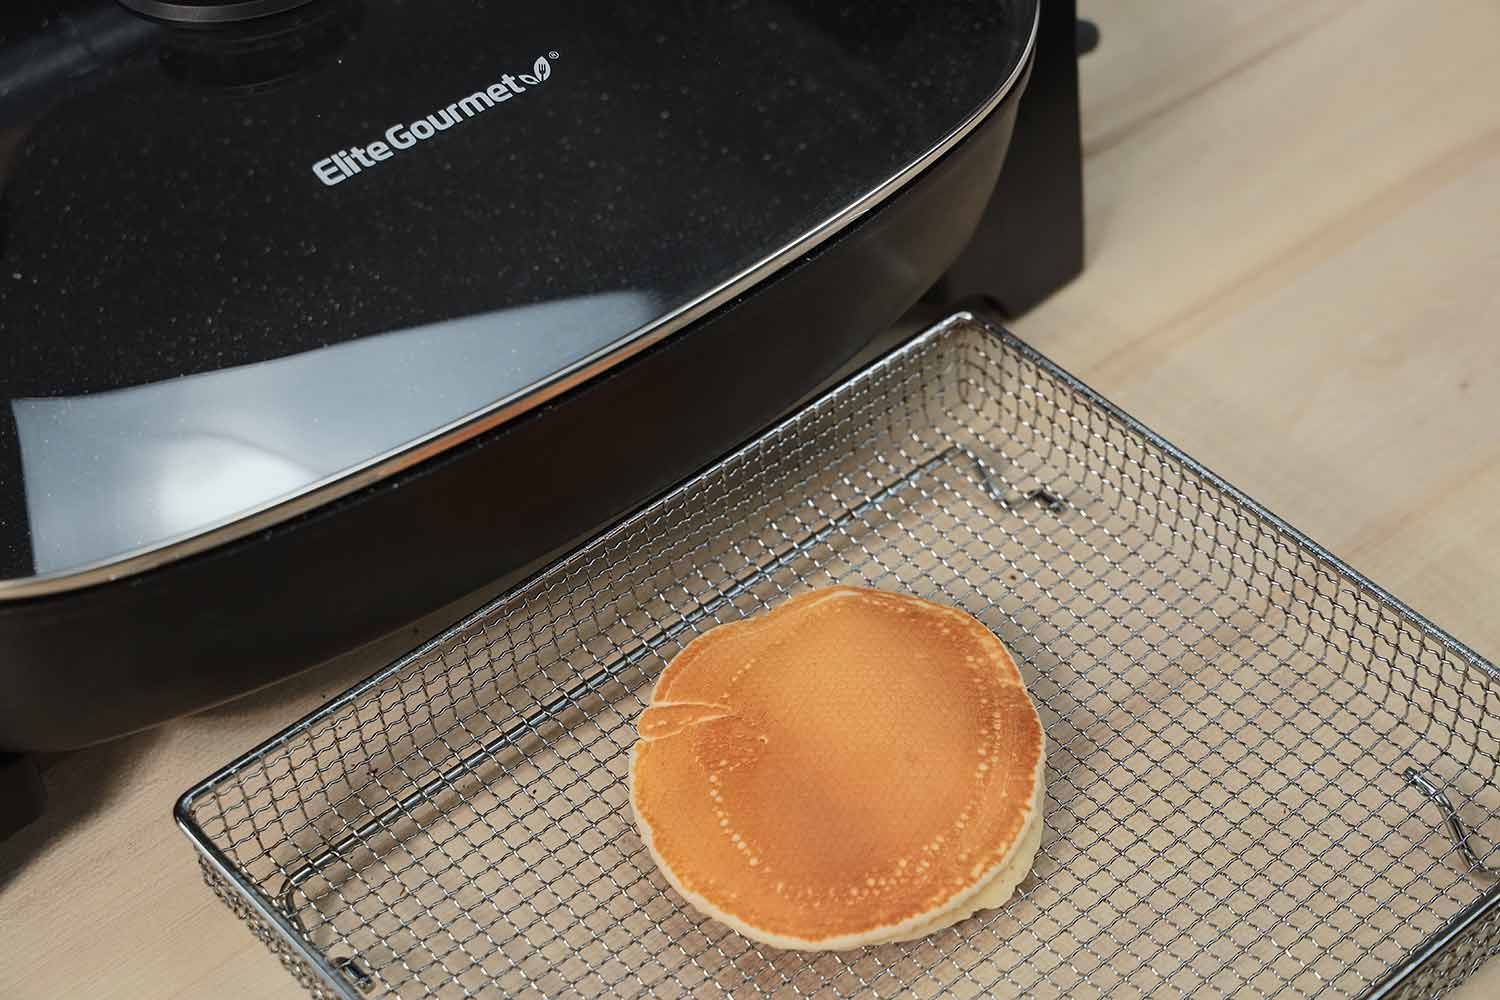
x,y
1230,715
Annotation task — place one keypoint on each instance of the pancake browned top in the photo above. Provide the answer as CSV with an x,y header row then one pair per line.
x,y
846,766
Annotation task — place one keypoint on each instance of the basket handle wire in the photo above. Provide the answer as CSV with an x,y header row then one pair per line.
x,y
1456,829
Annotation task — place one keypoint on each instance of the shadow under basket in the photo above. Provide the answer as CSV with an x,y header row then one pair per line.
x,y
1266,777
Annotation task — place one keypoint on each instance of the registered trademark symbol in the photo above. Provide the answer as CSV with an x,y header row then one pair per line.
x,y
551,55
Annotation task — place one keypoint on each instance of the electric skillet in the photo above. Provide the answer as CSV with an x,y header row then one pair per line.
x,y
316,321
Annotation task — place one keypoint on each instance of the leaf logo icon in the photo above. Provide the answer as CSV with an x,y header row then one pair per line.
x,y
540,70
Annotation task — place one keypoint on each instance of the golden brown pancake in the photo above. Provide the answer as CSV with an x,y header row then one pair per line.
x,y
855,766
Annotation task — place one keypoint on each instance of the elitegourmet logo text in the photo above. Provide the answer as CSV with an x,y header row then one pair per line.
x,y
346,163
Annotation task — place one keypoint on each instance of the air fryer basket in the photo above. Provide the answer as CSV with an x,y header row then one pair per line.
x,y
1266,777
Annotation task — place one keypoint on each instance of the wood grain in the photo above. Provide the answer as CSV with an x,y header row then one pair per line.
x,y
1294,273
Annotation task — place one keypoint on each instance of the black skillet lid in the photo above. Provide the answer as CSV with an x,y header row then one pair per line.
x,y
246,265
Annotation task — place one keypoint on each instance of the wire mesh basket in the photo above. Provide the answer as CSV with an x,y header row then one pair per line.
x,y
1266,777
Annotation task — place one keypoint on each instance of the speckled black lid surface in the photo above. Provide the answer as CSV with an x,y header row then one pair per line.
x,y
236,263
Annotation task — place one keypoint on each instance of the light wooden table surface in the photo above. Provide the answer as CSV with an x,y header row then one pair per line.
x,y
1294,273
